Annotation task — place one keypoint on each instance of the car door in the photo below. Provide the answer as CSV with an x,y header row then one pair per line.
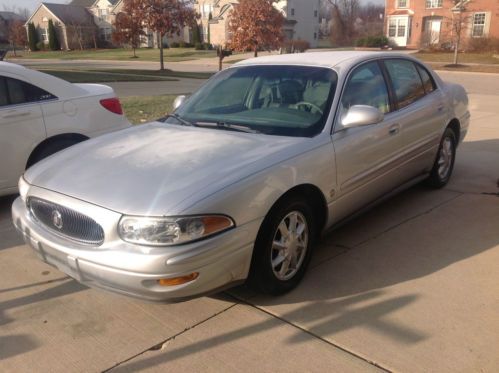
x,y
422,112
21,128
367,157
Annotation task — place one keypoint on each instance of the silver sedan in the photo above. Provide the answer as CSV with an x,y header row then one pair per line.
x,y
240,181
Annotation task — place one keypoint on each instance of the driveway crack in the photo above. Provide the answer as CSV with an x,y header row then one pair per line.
x,y
160,345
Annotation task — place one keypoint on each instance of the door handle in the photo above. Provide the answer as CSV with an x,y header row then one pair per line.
x,y
394,129
16,114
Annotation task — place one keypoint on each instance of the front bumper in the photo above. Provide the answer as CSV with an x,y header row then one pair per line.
x,y
133,270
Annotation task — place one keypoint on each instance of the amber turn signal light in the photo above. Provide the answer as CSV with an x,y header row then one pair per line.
x,y
178,280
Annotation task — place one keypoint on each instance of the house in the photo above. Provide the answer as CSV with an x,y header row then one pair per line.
x,y
302,20
6,18
74,25
427,23
88,23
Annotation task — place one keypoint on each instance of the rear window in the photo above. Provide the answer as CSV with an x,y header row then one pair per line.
x,y
428,83
15,92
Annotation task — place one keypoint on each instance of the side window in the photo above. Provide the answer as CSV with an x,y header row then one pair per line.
x,y
3,93
366,86
428,83
406,81
20,92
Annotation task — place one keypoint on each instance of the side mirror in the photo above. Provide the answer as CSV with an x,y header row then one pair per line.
x,y
361,115
179,100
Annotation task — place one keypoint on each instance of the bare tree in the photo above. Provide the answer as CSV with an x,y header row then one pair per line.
x,y
344,16
17,35
459,22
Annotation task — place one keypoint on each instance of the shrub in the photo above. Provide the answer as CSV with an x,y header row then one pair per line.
x,y
175,45
372,41
40,46
483,45
207,46
184,44
198,46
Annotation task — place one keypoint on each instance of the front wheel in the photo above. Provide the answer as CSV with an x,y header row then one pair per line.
x,y
283,248
444,163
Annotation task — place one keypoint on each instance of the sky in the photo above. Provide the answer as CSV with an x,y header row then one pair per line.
x,y
32,4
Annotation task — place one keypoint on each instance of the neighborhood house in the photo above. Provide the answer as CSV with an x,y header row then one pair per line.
x,y
433,23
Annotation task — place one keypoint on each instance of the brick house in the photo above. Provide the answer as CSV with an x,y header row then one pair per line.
x,y
302,19
426,23
73,24
86,22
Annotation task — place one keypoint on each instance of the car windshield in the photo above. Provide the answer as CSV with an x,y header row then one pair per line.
x,y
274,100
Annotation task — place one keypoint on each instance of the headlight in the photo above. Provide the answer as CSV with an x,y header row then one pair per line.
x,y
23,187
171,230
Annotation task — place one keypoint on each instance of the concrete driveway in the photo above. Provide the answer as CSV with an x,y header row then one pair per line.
x,y
411,286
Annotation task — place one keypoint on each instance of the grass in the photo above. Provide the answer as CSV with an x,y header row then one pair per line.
x,y
119,75
448,57
141,109
121,54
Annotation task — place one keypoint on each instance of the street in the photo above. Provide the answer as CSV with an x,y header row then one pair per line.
x,y
410,286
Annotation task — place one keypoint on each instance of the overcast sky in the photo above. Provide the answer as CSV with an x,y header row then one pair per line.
x,y
32,4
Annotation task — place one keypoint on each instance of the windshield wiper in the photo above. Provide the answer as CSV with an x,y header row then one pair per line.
x,y
183,121
226,126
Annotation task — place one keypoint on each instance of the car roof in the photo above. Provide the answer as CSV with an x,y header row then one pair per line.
x,y
325,59
56,86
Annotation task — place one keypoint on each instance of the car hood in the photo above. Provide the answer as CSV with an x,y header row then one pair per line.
x,y
150,169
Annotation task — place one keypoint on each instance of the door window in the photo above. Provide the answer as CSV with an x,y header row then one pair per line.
x,y
15,92
366,86
406,81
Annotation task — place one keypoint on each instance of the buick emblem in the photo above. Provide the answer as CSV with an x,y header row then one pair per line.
x,y
57,219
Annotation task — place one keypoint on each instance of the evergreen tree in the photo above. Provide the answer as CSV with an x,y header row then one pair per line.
x,y
196,37
53,42
32,37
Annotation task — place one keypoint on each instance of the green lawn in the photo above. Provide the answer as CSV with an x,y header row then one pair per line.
x,y
143,54
141,109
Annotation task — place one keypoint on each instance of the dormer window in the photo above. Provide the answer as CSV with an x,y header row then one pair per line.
x,y
402,3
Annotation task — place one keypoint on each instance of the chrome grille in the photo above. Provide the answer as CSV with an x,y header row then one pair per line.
x,y
66,222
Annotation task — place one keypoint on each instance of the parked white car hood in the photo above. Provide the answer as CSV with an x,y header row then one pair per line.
x,y
148,170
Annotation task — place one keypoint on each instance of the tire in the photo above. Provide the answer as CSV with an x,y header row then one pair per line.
x,y
444,162
277,269
51,148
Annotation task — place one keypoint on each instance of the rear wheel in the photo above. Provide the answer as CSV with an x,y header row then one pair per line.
x,y
444,163
283,247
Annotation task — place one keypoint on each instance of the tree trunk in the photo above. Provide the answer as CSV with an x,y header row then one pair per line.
x,y
161,59
456,49
14,49
134,55
256,51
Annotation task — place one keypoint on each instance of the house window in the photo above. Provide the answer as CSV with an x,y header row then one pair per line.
x,y
433,4
315,13
315,36
402,3
478,29
292,11
44,35
103,14
392,27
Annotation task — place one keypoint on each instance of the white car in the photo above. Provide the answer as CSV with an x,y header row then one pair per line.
x,y
41,114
